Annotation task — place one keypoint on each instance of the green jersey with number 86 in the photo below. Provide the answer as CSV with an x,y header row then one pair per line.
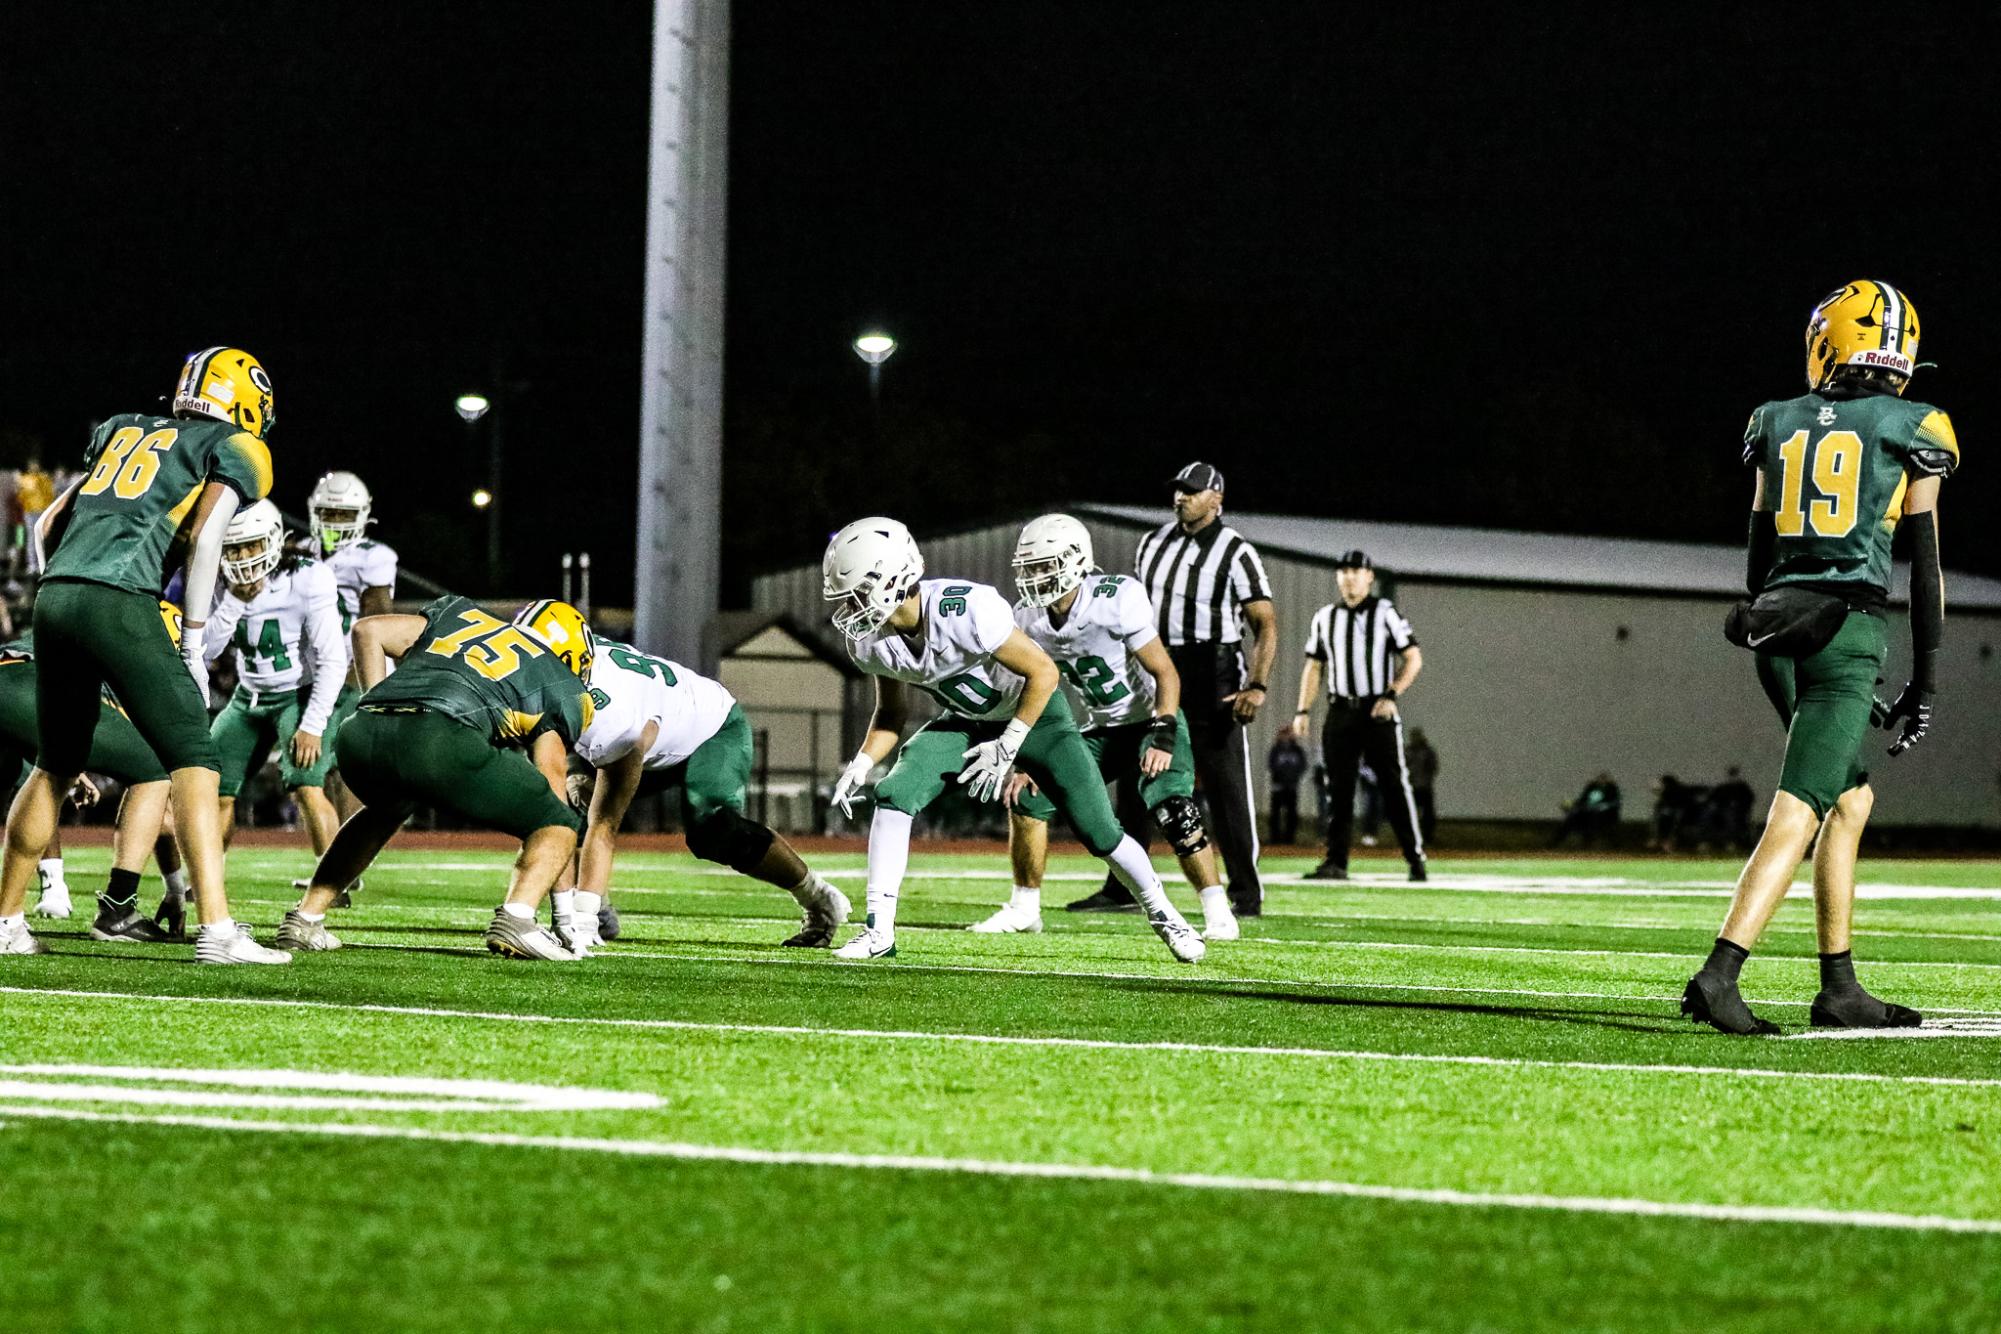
x,y
1835,472
1096,648
951,658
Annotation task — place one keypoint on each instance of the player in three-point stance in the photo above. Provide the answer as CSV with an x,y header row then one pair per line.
x,y
957,641
1100,631
657,724
283,620
1837,470
153,486
478,718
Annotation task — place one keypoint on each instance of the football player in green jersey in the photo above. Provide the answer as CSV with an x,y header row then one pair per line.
x,y
154,488
479,718
1838,470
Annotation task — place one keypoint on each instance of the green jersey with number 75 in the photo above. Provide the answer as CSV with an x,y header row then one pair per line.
x,y
1096,645
487,673
951,656
1835,471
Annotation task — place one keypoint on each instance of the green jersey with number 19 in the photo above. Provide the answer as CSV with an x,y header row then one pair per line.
x,y
142,475
487,673
1096,648
631,689
1835,471
951,656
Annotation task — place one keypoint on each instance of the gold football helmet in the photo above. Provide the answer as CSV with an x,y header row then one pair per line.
x,y
1865,326
229,385
562,629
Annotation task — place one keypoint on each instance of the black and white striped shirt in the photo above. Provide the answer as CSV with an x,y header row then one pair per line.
x,y
1356,643
1199,584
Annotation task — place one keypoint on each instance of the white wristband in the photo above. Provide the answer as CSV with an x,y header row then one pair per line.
x,y
1015,733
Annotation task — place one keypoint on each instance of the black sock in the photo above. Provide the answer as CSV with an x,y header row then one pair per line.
x,y
1726,960
121,893
1837,971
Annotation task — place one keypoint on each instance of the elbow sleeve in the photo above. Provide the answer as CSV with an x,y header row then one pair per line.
x,y
1759,551
1927,600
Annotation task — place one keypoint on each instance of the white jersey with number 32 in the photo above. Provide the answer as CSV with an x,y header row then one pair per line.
x,y
631,689
1096,649
960,625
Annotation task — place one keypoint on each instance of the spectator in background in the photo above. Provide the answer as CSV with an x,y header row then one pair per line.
x,y
1422,761
1677,810
1728,814
1594,815
34,491
1287,765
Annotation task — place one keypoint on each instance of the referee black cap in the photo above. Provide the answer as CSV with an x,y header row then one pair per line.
x,y
1198,477
1355,559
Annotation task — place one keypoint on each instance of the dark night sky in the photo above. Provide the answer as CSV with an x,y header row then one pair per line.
x,y
1434,264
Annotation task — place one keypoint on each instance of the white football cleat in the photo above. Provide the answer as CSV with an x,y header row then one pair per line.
x,y
872,943
1010,920
298,934
235,947
54,902
514,937
1178,936
1218,922
18,939
826,910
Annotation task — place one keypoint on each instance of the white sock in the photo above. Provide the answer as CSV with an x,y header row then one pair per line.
x,y
1215,903
1026,899
51,872
177,882
19,921
1129,863
808,891
566,905
587,905
520,911
888,858
313,916
225,927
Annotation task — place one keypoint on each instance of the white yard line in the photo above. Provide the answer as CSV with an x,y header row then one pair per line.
x,y
973,1039
636,1148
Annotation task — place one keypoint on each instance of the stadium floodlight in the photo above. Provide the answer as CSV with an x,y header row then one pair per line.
x,y
472,406
875,348
482,498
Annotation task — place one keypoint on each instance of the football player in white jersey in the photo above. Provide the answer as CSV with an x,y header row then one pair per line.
x,y
1100,631
284,623
658,724
957,642
340,509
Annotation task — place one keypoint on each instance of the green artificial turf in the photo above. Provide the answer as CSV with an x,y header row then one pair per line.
x,y
1509,1030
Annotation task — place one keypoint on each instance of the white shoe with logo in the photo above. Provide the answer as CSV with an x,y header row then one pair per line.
x,y
1012,919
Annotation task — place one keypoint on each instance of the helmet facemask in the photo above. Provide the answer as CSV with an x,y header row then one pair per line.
x,y
246,562
337,526
1044,580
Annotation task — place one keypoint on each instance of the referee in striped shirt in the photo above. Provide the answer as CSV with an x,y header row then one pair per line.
x,y
1365,650
1207,585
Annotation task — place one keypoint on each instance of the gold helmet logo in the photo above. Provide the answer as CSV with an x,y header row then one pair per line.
x,y
227,384
1866,325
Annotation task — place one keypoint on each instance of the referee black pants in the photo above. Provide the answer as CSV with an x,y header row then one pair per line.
x,y
1350,736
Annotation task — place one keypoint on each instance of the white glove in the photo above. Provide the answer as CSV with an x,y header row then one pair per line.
x,y
849,785
191,658
989,763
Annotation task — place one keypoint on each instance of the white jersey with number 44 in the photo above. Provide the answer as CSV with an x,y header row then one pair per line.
x,y
631,689
1096,648
951,659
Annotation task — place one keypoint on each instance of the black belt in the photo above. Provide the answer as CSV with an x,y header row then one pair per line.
x,y
1352,702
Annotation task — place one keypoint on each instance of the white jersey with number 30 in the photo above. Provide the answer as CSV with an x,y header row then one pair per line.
x,y
1096,649
960,625
631,689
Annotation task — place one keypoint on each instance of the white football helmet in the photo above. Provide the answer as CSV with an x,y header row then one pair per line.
x,y
338,509
252,543
1052,556
870,567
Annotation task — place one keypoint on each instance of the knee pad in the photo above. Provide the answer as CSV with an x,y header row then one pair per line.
x,y
1180,820
729,839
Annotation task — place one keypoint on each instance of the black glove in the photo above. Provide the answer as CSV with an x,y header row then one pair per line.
x,y
1914,710
172,915
1160,733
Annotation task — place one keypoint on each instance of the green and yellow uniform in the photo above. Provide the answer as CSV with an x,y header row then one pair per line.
x,y
97,615
116,748
1835,471
450,725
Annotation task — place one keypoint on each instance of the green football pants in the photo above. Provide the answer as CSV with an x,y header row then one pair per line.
x,y
91,635
116,748
1116,751
1053,754
413,757
1824,700
250,725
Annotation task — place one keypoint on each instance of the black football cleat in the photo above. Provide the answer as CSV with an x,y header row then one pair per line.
x,y
1852,1007
1105,900
1329,869
129,927
1418,875
1718,1004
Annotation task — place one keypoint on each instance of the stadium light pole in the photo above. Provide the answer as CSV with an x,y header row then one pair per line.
x,y
472,407
875,347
